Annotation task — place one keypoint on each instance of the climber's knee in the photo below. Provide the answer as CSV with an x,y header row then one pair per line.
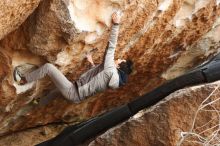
x,y
49,68
49,65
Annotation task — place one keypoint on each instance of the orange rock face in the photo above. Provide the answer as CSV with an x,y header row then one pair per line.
x,y
164,39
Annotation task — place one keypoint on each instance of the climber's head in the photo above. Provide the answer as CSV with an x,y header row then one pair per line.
x,y
124,69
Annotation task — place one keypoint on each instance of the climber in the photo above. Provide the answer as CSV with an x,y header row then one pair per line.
x,y
108,74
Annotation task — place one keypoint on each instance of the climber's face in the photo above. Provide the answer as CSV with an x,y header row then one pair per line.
x,y
118,61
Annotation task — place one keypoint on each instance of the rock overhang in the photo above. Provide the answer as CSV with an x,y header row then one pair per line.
x,y
148,36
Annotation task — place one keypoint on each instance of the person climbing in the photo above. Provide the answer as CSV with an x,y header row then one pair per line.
x,y
108,74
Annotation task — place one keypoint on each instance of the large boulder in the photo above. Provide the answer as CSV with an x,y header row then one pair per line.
x,y
188,117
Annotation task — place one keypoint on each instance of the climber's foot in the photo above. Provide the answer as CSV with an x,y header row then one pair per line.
x,y
19,79
21,70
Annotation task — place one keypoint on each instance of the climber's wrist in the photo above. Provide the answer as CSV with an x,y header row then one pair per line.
x,y
116,18
116,23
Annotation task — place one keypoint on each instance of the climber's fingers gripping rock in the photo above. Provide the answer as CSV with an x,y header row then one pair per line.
x,y
116,17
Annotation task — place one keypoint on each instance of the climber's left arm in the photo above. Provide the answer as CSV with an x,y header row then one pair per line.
x,y
110,50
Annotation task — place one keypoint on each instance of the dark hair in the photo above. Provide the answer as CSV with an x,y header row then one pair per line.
x,y
126,67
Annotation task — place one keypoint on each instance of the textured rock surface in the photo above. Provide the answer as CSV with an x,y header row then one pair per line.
x,y
164,38
13,13
162,124
31,137
167,123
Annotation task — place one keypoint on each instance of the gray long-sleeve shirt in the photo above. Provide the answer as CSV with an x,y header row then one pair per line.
x,y
104,75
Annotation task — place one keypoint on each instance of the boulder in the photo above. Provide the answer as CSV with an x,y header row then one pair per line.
x,y
187,117
164,39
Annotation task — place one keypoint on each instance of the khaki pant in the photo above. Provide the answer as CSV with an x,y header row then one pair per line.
x,y
68,89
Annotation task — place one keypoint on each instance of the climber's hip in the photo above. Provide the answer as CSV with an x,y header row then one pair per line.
x,y
72,93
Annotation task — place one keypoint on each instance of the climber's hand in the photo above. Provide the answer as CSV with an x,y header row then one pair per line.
x,y
116,17
89,58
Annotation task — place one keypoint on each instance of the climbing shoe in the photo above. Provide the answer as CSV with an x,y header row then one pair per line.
x,y
21,70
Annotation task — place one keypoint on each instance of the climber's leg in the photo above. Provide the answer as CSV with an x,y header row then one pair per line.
x,y
62,83
53,94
